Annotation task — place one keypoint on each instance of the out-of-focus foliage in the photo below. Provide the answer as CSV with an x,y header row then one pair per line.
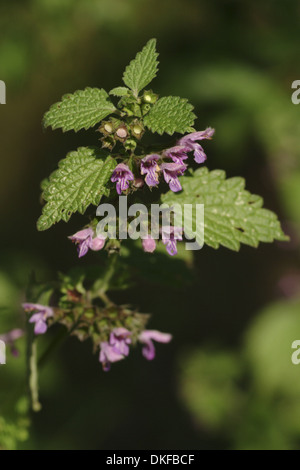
x,y
252,394
16,431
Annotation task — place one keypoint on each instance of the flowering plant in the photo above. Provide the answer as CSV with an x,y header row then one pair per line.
x,y
130,163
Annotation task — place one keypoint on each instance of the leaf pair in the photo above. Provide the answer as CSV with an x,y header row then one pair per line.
x,y
86,108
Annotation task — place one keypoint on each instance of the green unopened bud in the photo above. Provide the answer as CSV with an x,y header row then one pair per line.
x,y
127,111
149,97
146,108
130,144
137,130
108,127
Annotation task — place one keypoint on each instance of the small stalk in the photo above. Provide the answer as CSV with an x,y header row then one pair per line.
x,y
33,378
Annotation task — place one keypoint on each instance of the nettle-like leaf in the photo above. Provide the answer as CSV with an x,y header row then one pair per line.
x,y
170,114
232,215
80,110
80,180
141,70
119,91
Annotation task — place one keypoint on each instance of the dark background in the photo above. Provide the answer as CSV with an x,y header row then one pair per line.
x,y
226,380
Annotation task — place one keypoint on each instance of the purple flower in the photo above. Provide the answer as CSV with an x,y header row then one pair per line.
x,y
149,244
170,235
190,141
171,172
10,338
108,355
147,337
40,317
150,168
178,153
97,243
116,349
85,241
120,340
122,175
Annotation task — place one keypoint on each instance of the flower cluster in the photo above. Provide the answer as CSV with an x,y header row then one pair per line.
x,y
117,348
85,241
170,163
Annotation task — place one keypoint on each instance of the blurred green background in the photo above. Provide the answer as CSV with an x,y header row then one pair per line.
x,y
226,380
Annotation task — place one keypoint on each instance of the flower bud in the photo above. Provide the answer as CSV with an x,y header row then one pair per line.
x,y
138,183
146,108
130,144
108,127
149,97
97,244
149,245
137,129
121,133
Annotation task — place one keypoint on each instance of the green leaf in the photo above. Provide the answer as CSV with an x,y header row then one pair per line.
x,y
79,181
232,215
141,70
81,110
170,114
119,91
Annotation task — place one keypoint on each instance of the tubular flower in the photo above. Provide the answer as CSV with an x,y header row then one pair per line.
x,y
85,241
116,349
147,337
150,168
171,172
170,235
190,141
122,175
178,153
40,317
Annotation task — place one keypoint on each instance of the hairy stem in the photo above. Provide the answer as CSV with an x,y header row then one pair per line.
x,y
33,378
102,285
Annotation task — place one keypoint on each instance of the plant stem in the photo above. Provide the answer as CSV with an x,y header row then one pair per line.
x,y
105,299
33,378
102,285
